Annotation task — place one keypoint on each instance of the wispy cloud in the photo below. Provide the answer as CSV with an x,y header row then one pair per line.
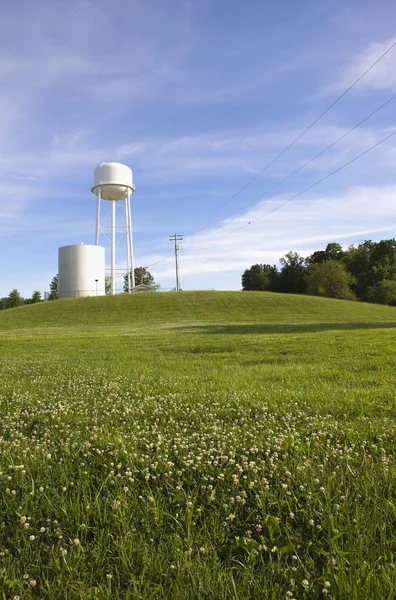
x,y
382,77
358,213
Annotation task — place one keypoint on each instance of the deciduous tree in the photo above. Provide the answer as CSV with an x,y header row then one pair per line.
x,y
333,251
292,275
36,297
330,279
383,293
14,299
142,276
260,278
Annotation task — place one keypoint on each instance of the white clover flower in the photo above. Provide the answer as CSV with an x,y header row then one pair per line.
x,y
32,582
32,537
76,542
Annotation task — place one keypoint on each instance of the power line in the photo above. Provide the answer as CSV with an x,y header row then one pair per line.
x,y
305,164
301,134
344,135
312,185
160,261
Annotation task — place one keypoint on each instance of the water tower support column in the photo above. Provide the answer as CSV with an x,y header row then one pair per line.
x,y
128,244
113,232
98,218
128,201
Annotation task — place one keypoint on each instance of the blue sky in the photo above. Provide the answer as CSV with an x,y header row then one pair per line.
x,y
196,96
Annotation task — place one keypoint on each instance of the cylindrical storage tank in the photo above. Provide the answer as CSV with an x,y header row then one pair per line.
x,y
81,271
112,181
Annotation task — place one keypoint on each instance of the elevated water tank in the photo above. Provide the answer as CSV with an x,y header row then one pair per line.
x,y
112,181
81,271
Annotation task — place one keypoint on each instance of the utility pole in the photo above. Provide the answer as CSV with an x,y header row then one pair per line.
x,y
176,238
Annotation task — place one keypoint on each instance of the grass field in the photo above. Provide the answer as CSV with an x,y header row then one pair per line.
x,y
209,445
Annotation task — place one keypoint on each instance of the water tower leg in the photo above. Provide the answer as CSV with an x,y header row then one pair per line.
x,y
130,239
128,245
113,248
98,217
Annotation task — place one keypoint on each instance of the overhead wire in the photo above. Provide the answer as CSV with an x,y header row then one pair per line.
x,y
160,261
311,186
311,160
345,92
305,164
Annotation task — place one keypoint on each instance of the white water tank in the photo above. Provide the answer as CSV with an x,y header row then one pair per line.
x,y
112,180
81,271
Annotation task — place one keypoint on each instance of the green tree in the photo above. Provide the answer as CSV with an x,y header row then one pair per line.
x,y
370,263
107,284
14,299
330,279
383,293
54,285
333,251
36,297
260,278
292,275
142,276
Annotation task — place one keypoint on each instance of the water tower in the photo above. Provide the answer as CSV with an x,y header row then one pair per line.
x,y
113,183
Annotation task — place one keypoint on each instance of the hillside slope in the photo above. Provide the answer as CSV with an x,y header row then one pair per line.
x,y
146,310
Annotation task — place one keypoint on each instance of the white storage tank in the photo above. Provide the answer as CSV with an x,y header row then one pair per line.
x,y
81,271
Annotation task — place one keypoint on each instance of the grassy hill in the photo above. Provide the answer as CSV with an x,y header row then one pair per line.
x,y
198,446
142,310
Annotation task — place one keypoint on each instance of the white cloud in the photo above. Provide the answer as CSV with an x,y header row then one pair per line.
x,y
350,217
381,77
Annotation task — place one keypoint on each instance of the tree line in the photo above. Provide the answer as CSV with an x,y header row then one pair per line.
x,y
15,299
366,272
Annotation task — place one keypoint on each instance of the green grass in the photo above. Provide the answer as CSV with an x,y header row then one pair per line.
x,y
142,310
211,445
